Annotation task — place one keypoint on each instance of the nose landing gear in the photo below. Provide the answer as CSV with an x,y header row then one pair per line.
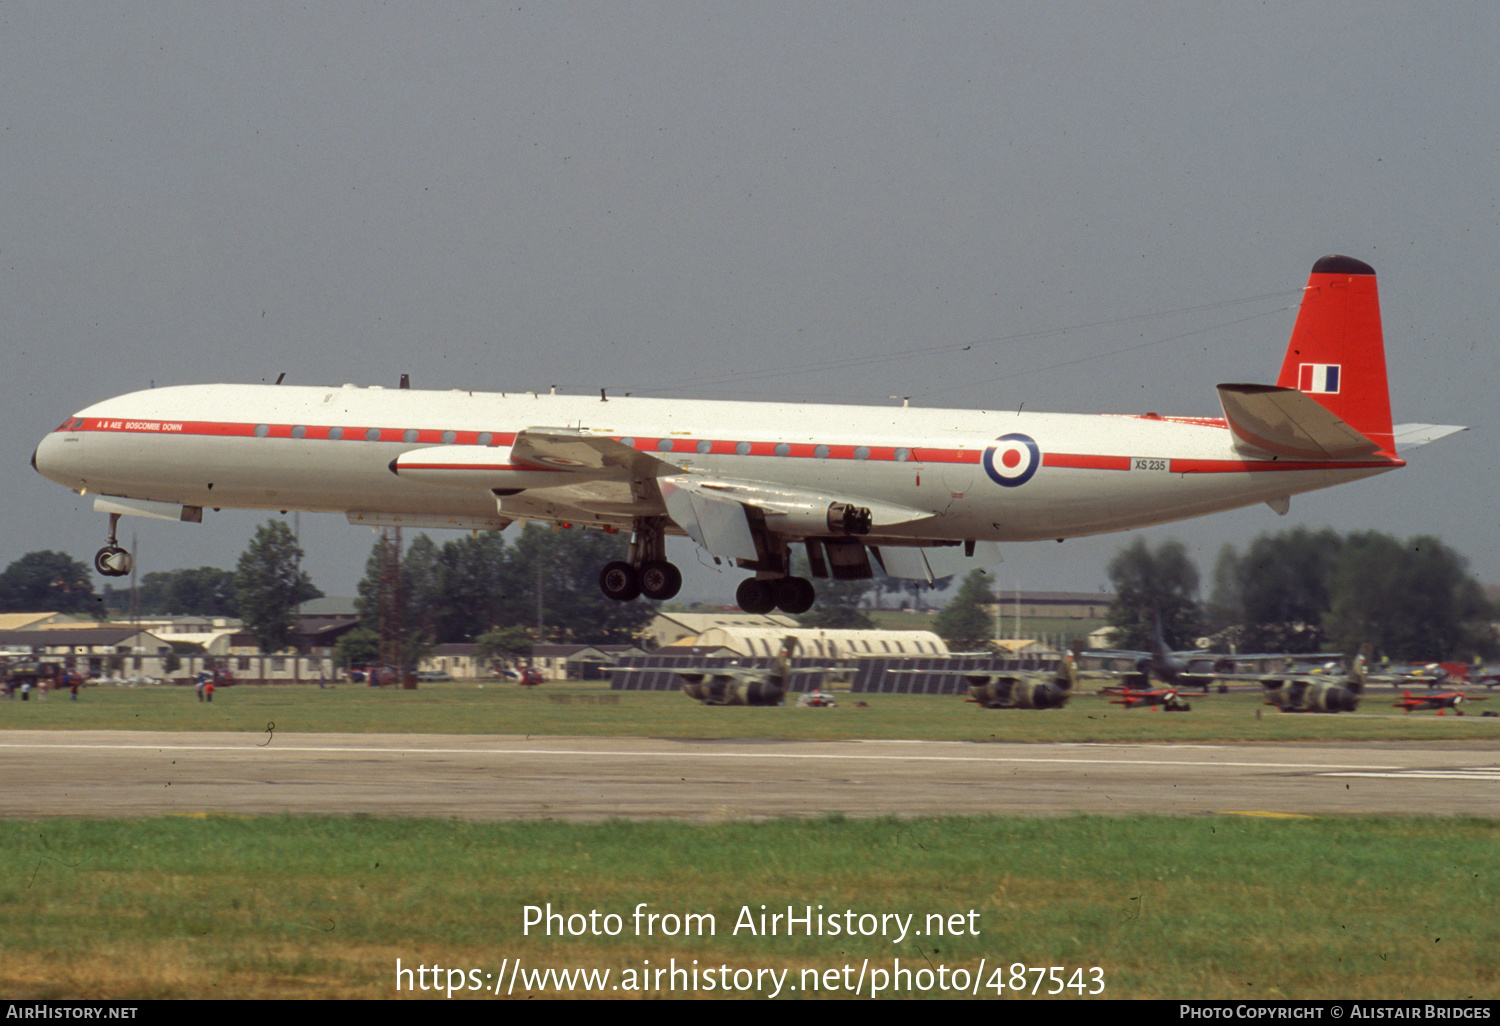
x,y
113,561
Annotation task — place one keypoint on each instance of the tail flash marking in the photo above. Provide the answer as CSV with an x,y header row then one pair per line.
x,y
1337,350
1319,378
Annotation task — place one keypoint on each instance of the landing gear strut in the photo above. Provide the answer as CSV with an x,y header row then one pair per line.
x,y
647,573
113,561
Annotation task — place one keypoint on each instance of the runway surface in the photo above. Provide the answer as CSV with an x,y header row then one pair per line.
x,y
120,773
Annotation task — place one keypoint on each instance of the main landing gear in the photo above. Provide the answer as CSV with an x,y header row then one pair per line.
x,y
789,594
113,561
647,573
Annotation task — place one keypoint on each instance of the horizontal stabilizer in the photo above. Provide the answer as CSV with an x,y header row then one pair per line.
x,y
1409,436
1276,421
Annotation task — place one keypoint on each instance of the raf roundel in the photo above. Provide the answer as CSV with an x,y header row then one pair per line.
x,y
1012,460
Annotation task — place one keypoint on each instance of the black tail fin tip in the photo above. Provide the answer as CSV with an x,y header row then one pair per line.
x,y
1336,264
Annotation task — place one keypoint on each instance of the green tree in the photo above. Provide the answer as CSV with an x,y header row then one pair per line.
x,y
503,644
206,591
47,582
359,647
419,598
480,588
423,589
556,579
967,621
1277,592
271,584
1149,584
1411,600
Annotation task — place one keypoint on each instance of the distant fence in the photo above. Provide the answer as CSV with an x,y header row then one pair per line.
x,y
659,673
912,676
933,676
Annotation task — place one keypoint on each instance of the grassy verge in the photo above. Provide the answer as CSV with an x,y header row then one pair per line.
x,y
1204,907
591,710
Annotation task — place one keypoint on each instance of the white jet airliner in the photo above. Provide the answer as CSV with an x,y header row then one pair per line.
x,y
923,492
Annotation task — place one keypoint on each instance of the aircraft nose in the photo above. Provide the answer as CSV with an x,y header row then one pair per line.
x,y
48,460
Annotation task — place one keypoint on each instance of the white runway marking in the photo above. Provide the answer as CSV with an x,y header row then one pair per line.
x,y
294,749
1490,774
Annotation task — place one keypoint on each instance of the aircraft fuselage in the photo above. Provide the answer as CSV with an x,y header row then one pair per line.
x,y
986,475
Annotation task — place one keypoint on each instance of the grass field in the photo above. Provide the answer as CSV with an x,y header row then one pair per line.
x,y
592,710
1205,907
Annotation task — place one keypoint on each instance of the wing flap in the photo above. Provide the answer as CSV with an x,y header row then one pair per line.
x,y
717,523
797,504
933,563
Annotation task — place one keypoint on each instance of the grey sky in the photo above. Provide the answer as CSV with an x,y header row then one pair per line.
x,y
677,198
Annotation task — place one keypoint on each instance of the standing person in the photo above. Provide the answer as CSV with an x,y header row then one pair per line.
x,y
73,680
208,691
202,678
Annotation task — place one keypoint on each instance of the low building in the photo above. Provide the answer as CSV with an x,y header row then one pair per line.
x,y
1063,605
824,643
580,662
671,628
458,660
32,621
95,652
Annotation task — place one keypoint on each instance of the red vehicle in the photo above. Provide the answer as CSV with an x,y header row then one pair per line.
x,y
530,676
1166,698
1446,700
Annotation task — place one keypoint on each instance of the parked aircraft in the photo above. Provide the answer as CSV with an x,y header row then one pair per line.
x,y
1446,700
743,685
922,493
1182,669
1022,689
1316,693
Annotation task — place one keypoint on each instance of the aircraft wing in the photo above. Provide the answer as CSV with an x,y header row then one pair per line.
x,y
578,449
718,513
574,474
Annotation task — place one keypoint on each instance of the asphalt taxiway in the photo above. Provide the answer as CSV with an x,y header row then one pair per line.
x,y
119,773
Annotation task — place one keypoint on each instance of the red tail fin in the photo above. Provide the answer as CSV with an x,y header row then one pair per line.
x,y
1337,352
